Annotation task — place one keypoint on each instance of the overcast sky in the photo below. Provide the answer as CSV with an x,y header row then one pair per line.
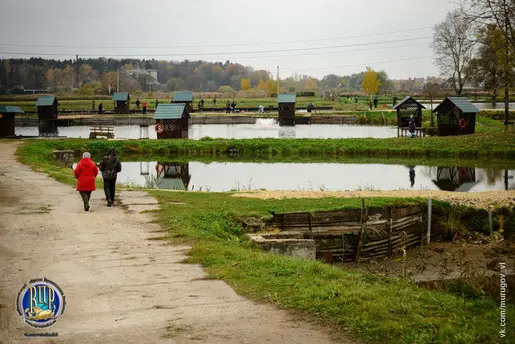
x,y
336,36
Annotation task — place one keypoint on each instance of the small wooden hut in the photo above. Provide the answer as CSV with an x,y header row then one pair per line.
x,y
121,102
456,116
7,125
286,109
184,98
173,176
405,109
47,115
172,121
460,179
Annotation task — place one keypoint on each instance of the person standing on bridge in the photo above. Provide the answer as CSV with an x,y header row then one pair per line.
x,y
86,172
110,167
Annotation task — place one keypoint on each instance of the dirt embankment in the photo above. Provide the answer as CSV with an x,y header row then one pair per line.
x,y
476,199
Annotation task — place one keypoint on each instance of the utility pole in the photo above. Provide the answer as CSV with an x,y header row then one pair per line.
x,y
278,82
77,68
118,80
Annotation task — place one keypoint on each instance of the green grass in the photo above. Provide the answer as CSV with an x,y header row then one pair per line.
x,y
485,144
373,309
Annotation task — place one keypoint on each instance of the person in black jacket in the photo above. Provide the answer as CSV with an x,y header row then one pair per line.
x,y
110,166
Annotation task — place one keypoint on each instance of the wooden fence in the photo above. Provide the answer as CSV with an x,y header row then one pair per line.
x,y
356,234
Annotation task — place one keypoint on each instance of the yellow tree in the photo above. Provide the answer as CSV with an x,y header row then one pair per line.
x,y
109,81
262,86
310,84
245,84
272,86
370,82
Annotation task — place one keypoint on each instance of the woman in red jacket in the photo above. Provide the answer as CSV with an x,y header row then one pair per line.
x,y
85,172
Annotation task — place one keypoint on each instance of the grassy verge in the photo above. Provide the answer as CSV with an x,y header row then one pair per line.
x,y
490,144
373,309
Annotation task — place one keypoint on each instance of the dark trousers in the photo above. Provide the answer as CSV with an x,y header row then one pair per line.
x,y
110,188
86,195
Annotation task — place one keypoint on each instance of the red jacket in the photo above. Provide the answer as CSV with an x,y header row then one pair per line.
x,y
86,171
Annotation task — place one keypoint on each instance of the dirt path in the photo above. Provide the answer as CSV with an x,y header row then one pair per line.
x,y
120,286
477,199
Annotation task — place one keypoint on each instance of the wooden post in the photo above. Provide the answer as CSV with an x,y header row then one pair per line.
x,y
310,229
361,232
490,222
429,209
389,224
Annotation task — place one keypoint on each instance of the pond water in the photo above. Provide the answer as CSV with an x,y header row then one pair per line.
x,y
263,128
480,106
226,176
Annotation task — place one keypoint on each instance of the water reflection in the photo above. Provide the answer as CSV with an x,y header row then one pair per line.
x,y
264,128
226,176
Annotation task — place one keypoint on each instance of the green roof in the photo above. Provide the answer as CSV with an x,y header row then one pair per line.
x,y
169,111
407,99
10,109
286,98
121,96
45,101
182,97
461,103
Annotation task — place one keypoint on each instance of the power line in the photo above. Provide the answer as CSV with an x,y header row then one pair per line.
x,y
253,57
208,46
234,53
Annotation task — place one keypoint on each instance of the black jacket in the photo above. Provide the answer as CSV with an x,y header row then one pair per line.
x,y
110,166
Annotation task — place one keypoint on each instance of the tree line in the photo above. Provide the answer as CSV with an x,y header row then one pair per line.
x,y
101,76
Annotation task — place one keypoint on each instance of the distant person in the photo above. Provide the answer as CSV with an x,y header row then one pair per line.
x,y
157,103
86,172
412,176
202,103
375,102
144,105
311,107
214,102
370,105
137,103
227,107
355,99
261,109
100,108
110,167
93,106
412,126
233,105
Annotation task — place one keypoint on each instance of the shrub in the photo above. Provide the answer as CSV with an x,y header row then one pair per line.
x,y
225,89
305,94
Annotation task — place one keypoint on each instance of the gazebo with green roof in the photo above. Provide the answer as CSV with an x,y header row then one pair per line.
x,y
456,116
121,102
286,109
184,98
47,115
7,125
172,121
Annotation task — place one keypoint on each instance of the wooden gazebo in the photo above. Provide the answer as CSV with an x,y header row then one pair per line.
x,y
173,176
456,116
7,125
121,102
47,115
406,108
184,98
172,121
286,109
460,179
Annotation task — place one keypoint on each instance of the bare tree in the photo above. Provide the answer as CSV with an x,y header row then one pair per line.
x,y
453,43
500,13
